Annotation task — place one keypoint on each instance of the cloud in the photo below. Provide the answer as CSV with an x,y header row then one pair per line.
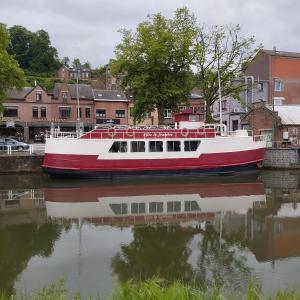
x,y
89,29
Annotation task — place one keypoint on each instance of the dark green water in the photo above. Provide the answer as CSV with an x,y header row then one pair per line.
x,y
95,233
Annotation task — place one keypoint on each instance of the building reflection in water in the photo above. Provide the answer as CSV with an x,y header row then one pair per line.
x,y
196,231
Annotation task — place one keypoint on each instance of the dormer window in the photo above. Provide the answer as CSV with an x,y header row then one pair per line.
x,y
64,96
38,96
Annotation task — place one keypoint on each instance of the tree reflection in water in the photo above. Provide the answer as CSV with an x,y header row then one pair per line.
x,y
19,243
221,260
165,251
155,251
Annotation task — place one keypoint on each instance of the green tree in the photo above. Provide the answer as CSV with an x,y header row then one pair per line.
x,y
44,57
11,75
20,44
76,64
33,50
156,60
65,61
223,48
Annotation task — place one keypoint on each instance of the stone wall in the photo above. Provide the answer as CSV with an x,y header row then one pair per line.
x,y
282,158
20,164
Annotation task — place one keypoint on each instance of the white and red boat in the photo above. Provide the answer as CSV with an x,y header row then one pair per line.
x,y
190,146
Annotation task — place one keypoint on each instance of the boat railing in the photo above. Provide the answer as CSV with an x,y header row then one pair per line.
x,y
108,126
62,134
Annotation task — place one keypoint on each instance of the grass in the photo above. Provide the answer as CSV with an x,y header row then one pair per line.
x,y
154,289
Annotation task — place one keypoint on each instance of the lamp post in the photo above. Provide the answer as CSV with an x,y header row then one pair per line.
x,y
78,108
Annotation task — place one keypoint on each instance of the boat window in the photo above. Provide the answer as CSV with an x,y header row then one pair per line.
x,y
138,146
118,147
173,206
173,146
119,209
156,146
138,208
191,206
191,145
156,207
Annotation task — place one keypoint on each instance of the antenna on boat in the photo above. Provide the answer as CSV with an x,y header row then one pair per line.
x,y
220,95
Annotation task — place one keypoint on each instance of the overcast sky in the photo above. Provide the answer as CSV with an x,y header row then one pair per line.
x,y
89,29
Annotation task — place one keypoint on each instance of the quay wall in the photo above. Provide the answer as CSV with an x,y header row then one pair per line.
x,y
10,164
282,158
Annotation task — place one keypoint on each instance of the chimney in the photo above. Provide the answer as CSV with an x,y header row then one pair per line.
x,y
274,49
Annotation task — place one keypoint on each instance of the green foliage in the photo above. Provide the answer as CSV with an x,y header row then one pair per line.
x,y
223,48
33,50
76,64
11,75
156,61
154,289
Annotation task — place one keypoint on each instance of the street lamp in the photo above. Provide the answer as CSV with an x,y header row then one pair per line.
x,y
78,108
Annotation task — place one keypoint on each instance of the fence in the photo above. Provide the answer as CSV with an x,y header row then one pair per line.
x,y
13,150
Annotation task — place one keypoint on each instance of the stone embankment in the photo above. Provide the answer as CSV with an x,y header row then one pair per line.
x,y
20,163
282,158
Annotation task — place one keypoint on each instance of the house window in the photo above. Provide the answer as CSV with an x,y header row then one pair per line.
x,y
43,112
138,146
235,125
10,111
87,112
80,112
224,105
260,86
64,96
38,96
118,147
35,112
65,112
100,113
173,146
191,145
156,146
278,86
120,113
167,113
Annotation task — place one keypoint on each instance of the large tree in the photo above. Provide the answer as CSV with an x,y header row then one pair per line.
x,y
156,60
33,50
222,48
11,75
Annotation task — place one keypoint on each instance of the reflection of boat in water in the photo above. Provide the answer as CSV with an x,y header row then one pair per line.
x,y
149,203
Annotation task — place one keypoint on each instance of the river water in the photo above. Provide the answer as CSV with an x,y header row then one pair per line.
x,y
97,233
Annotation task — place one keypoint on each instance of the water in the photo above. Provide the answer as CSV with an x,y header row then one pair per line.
x,y
96,233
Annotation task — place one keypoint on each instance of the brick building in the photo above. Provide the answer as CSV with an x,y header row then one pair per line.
x,y
110,107
280,124
66,73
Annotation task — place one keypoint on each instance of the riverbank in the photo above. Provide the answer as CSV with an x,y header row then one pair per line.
x,y
157,289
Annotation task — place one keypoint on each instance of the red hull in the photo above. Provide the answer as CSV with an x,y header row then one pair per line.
x,y
92,163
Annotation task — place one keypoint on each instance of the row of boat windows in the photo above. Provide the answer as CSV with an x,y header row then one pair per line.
x,y
154,146
154,207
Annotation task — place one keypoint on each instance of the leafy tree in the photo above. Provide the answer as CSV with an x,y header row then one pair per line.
x,y
33,50
87,65
11,75
156,60
65,61
43,56
223,48
20,44
76,64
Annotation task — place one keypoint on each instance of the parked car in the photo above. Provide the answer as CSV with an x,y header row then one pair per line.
x,y
15,145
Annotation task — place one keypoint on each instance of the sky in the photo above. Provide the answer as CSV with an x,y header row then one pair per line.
x,y
88,29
